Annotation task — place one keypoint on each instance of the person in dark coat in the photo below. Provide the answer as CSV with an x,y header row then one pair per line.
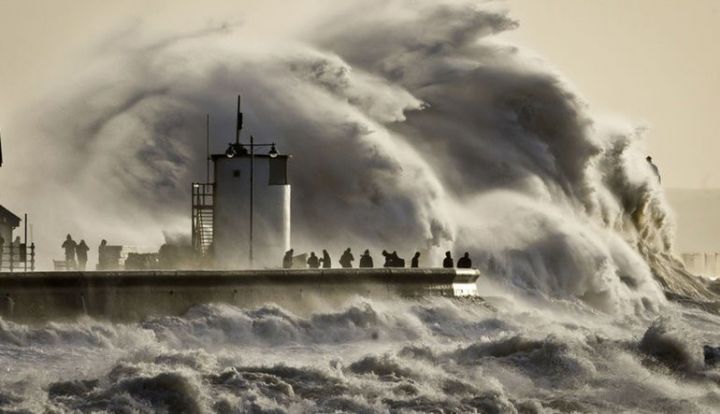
x,y
448,261
313,261
415,262
397,261
465,262
81,251
326,262
69,245
347,258
288,259
102,259
388,259
366,260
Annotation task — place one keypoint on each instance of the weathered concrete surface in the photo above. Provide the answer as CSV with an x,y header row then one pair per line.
x,y
125,296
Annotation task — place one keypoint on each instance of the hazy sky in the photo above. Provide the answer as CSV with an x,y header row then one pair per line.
x,y
651,61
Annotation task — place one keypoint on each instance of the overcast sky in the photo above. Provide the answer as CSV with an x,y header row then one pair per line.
x,y
652,61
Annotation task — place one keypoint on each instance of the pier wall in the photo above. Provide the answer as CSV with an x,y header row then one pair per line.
x,y
129,296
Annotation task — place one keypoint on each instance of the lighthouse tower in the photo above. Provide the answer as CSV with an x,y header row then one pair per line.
x,y
251,208
242,219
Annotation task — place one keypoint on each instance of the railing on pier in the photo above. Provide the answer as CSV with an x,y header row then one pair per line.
x,y
17,257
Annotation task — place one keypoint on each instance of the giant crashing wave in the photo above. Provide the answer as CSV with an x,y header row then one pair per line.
x,y
412,131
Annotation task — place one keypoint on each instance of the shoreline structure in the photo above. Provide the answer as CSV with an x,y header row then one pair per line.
x,y
137,295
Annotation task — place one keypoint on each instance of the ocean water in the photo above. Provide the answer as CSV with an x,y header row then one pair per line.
x,y
415,127
499,354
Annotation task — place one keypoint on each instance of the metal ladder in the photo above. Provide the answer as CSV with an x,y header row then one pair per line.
x,y
202,217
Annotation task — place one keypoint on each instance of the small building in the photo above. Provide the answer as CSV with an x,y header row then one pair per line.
x,y
242,219
8,223
237,224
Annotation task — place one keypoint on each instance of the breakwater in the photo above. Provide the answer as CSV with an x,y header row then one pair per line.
x,y
127,296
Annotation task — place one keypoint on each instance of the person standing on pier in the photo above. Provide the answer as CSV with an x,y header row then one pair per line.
x,y
397,261
415,262
69,245
81,251
448,261
388,259
326,262
465,262
102,256
313,262
366,260
288,259
347,258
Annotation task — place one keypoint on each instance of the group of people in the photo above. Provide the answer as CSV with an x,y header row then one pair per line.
x,y
75,250
462,263
366,260
76,254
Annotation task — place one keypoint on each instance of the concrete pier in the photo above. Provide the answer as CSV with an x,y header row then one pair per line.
x,y
132,296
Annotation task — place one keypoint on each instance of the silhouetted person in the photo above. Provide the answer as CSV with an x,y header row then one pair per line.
x,y
415,262
102,255
388,259
288,259
346,259
448,261
465,262
326,262
81,251
69,245
313,261
396,260
366,260
654,167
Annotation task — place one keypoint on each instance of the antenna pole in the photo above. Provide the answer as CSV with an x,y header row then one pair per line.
x,y
239,122
207,148
25,225
252,191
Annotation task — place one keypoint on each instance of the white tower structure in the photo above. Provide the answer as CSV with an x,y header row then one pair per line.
x,y
251,208
242,219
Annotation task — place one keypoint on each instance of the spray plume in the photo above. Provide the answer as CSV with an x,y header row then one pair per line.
x,y
416,130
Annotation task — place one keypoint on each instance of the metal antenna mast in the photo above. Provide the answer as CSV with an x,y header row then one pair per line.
x,y
207,148
239,122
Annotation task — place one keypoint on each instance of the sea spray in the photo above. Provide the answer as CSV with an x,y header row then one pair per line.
x,y
417,130
402,137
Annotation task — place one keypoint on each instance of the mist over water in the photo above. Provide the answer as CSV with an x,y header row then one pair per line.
x,y
416,130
